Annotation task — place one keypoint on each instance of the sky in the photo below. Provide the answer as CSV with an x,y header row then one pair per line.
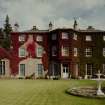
x,y
29,13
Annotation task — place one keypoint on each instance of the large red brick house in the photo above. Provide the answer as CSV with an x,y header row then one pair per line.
x,y
61,52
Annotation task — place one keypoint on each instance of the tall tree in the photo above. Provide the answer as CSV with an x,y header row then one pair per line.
x,y
7,30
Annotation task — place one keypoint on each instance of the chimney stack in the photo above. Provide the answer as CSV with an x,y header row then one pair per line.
x,y
75,26
16,27
50,26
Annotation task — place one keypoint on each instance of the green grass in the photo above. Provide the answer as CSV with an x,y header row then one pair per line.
x,y
43,92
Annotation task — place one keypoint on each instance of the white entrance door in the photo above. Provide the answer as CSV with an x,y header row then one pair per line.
x,y
65,71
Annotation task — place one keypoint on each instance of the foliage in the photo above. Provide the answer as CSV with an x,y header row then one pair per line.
x,y
97,44
7,29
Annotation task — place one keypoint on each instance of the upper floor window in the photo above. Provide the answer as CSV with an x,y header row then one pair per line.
x,y
39,38
104,52
65,51
104,37
75,52
21,37
54,36
54,51
39,51
75,36
88,38
88,52
65,35
22,52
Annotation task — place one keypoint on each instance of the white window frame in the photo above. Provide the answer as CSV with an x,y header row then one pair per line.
x,y
54,36
88,52
39,38
75,36
88,70
88,38
20,70
40,69
38,53
22,38
75,52
64,51
65,35
20,51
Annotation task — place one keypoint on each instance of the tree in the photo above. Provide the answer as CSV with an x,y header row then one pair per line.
x,y
7,30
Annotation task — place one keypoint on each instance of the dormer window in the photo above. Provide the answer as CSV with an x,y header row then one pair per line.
x,y
65,35
22,38
39,38
88,38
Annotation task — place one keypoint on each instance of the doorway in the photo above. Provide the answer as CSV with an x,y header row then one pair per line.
x,y
65,73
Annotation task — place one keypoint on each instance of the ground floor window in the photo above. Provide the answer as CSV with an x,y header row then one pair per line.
x,y
88,68
2,67
22,69
55,70
40,69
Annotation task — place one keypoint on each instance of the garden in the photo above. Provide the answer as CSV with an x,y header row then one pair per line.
x,y
44,92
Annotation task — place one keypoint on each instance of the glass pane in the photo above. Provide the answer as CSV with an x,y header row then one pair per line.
x,y
88,38
22,69
3,65
40,69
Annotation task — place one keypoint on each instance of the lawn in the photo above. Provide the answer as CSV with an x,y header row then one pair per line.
x,y
43,92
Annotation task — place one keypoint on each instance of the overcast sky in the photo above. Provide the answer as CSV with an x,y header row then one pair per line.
x,y
61,12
